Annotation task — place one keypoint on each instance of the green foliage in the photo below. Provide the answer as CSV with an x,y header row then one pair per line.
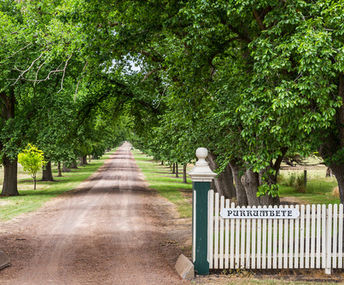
x,y
272,190
32,160
291,179
252,81
296,181
300,183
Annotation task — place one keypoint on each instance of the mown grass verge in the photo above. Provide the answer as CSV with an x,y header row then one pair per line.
x,y
160,178
319,189
317,192
30,200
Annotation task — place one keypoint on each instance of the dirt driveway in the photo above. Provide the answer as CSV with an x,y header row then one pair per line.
x,y
105,232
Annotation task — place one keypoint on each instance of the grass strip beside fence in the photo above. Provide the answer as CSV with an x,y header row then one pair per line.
x,y
160,178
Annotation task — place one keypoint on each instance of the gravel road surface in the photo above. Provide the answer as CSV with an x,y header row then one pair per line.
x,y
105,232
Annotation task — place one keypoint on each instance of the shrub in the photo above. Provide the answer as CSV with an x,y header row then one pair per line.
x,y
300,183
291,179
296,181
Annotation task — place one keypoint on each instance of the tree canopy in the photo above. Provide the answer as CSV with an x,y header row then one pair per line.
x,y
253,81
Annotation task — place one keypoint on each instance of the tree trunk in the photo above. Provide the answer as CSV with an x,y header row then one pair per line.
x,y
9,186
216,183
184,174
47,174
173,168
250,180
83,160
10,182
228,182
74,165
338,171
240,189
333,143
59,169
177,171
65,168
89,159
34,183
223,183
269,200
162,162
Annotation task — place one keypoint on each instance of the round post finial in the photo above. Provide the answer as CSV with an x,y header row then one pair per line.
x,y
201,154
202,172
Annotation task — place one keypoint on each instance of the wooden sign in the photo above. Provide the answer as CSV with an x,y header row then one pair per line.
x,y
259,213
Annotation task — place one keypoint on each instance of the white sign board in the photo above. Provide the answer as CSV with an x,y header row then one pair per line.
x,y
259,213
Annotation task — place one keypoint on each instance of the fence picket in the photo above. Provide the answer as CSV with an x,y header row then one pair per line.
x,y
237,243
328,240
242,246
323,239
308,218
302,236
334,238
318,250
340,237
226,237
312,236
297,240
231,250
216,238
280,242
274,245
264,243
222,205
248,242
291,241
285,239
259,242
269,249
254,240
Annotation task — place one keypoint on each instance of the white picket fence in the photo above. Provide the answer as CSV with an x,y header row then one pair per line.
x,y
313,240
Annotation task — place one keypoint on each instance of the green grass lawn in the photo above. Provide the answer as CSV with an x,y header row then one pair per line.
x,y
319,188
317,191
160,178
30,200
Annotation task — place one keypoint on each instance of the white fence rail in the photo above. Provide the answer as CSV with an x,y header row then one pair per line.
x,y
313,240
